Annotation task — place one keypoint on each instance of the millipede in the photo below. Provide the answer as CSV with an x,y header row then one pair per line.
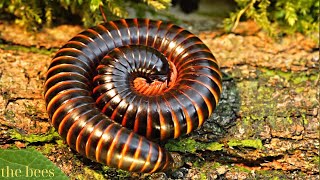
x,y
116,89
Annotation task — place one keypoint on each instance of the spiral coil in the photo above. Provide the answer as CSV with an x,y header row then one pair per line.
x,y
115,89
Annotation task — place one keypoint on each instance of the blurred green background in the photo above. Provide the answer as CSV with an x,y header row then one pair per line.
x,y
277,17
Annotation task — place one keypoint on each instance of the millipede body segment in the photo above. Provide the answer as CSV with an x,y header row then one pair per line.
x,y
115,89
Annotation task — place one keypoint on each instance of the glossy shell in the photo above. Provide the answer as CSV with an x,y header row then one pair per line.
x,y
117,88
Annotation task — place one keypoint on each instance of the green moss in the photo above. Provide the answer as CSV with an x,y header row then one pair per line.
x,y
123,174
198,163
184,145
300,89
47,148
304,119
257,101
262,100
51,135
215,165
303,77
191,146
27,49
214,146
271,72
246,121
314,77
289,120
257,117
253,143
203,176
90,173
60,142
299,79
242,169
120,174
271,174
293,77
316,160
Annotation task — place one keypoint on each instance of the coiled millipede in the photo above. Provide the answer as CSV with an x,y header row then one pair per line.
x,y
115,89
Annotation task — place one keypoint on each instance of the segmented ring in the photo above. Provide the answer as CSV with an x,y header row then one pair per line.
x,y
115,89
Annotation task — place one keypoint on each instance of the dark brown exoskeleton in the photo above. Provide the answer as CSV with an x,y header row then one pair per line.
x,y
115,88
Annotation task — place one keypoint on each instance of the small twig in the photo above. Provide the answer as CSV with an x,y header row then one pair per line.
x,y
241,13
102,13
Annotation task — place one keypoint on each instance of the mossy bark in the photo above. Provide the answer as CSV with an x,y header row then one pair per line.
x,y
266,124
